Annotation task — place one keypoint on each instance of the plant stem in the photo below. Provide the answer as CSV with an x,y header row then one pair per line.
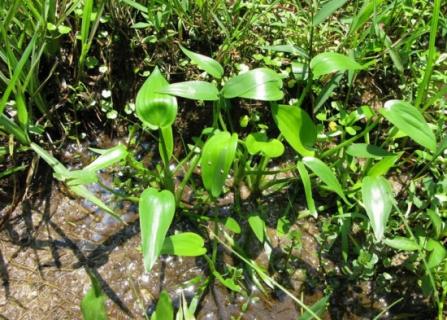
x,y
349,141
423,86
168,183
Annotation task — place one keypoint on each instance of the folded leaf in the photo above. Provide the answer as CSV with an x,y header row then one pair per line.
x,y
329,62
156,211
156,110
325,174
364,150
217,156
410,120
204,63
259,84
377,199
196,90
297,128
402,243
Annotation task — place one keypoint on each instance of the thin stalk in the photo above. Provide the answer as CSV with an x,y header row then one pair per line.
x,y
168,183
349,141
420,251
423,86
260,169
187,176
264,276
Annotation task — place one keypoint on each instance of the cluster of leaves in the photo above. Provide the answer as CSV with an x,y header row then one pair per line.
x,y
349,153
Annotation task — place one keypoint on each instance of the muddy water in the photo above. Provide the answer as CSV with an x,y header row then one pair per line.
x,y
51,242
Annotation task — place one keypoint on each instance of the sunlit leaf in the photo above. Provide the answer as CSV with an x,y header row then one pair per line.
x,y
164,309
156,210
410,120
297,128
318,308
217,156
186,244
437,255
228,282
204,63
258,84
259,143
154,109
402,243
63,174
328,8
93,304
307,188
325,174
436,222
364,150
257,225
381,168
196,90
329,62
377,199
364,15
168,146
232,225
108,157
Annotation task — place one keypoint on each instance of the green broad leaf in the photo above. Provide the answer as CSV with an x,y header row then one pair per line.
x,y
402,243
436,222
410,120
382,167
187,244
229,283
164,309
204,63
108,158
327,10
258,84
377,200
259,143
307,188
166,149
318,308
326,175
195,90
156,110
63,29
437,255
93,304
217,156
297,128
364,150
329,62
232,225
156,211
258,226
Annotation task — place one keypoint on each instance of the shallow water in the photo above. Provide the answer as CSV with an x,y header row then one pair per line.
x,y
49,243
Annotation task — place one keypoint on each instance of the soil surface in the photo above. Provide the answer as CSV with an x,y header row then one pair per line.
x,y
50,243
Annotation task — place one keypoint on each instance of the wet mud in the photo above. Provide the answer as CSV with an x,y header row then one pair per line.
x,y
51,242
